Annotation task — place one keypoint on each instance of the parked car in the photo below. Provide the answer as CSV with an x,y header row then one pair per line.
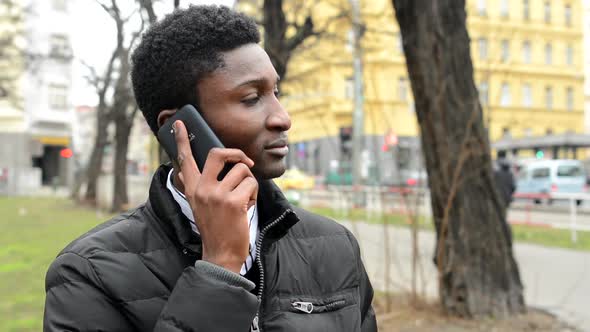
x,y
551,176
293,178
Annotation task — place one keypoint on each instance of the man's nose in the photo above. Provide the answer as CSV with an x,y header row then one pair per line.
x,y
278,118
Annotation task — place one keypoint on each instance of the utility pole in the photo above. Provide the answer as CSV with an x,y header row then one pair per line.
x,y
358,116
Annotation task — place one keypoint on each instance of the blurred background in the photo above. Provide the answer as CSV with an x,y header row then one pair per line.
x,y
75,150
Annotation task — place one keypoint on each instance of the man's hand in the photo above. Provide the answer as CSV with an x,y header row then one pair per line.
x,y
219,207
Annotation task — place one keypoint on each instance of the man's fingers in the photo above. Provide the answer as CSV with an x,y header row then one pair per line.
x,y
217,159
185,159
234,177
247,191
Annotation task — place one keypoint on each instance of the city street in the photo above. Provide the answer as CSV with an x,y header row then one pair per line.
x,y
555,216
521,212
554,279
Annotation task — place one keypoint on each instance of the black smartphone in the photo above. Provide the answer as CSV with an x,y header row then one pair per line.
x,y
200,135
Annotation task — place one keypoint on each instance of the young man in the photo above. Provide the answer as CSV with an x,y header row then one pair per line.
x,y
203,254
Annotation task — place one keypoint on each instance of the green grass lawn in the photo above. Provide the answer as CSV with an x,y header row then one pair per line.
x,y
531,234
34,230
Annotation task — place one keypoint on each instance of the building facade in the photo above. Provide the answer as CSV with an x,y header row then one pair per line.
x,y
36,117
528,59
586,23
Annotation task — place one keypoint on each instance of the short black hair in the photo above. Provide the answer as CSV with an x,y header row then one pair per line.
x,y
177,52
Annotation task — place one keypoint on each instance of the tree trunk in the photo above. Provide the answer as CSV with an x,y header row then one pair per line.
x,y
478,275
120,193
122,103
276,44
94,166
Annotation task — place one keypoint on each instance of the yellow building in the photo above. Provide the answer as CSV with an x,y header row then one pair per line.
x,y
528,56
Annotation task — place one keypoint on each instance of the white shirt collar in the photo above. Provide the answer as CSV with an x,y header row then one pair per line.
x,y
188,213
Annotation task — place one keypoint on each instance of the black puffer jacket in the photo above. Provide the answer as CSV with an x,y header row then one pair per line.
x,y
140,272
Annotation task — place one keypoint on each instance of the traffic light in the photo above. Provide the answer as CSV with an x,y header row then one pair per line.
x,y
346,142
540,154
390,140
66,153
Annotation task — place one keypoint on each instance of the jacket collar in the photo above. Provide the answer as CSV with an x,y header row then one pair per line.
x,y
271,204
168,213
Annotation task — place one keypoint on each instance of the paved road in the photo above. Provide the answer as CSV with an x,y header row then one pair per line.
x,y
559,218
522,211
554,279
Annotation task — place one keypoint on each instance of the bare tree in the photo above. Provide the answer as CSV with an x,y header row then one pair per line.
x,y
478,274
124,111
147,7
115,104
284,35
104,111
102,84
277,44
123,108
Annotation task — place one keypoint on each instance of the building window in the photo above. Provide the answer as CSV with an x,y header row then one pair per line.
x,y
505,98
402,89
568,15
569,55
548,98
483,48
504,8
483,90
58,96
548,54
547,12
349,88
59,46
526,10
569,98
527,95
528,132
526,52
505,51
60,5
400,43
506,132
481,7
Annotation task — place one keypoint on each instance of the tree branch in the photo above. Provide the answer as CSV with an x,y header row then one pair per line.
x,y
301,34
148,7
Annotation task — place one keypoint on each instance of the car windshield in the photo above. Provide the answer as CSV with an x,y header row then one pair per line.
x,y
569,171
540,173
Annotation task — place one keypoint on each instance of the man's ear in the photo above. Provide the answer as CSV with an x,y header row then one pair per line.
x,y
165,115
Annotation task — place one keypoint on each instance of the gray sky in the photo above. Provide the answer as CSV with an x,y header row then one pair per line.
x,y
93,40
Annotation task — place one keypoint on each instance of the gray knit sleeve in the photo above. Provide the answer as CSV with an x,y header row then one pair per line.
x,y
219,273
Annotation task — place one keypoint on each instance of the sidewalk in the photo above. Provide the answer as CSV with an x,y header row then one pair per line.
x,y
557,280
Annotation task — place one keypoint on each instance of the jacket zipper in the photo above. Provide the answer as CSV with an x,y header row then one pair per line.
x,y
309,307
255,325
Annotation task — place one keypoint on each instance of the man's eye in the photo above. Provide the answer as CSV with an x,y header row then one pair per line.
x,y
251,101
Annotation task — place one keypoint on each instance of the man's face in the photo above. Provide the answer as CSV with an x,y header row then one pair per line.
x,y
239,102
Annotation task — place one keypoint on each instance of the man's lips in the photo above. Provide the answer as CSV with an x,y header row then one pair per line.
x,y
277,144
279,147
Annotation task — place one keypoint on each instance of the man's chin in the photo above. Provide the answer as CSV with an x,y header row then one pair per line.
x,y
271,171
